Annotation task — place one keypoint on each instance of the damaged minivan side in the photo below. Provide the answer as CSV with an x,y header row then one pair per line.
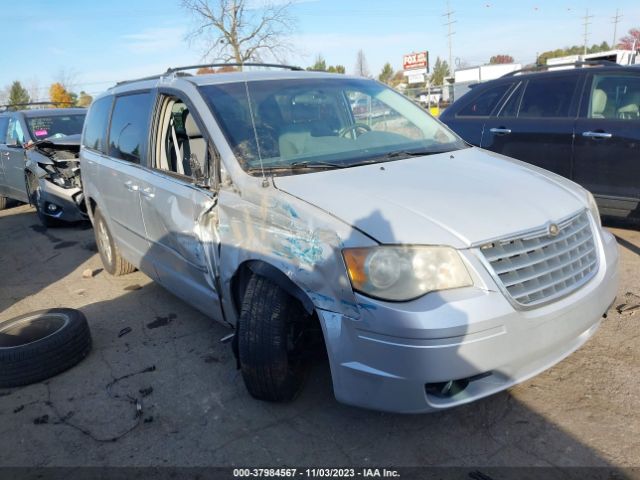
x,y
40,166
432,272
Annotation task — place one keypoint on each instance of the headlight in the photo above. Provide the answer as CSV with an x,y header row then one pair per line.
x,y
593,206
404,273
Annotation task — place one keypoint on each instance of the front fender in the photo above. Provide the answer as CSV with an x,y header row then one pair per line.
x,y
271,227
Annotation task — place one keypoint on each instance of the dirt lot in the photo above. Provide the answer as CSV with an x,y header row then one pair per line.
x,y
196,412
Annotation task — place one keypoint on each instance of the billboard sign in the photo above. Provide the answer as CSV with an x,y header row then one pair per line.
x,y
416,61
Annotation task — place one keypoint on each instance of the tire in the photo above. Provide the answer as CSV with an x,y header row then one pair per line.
x,y
33,189
38,345
109,253
3,202
272,370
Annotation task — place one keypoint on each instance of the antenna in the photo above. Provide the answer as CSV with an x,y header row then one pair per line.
x,y
586,24
615,22
450,34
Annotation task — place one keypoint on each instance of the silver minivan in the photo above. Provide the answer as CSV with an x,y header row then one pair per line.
x,y
436,273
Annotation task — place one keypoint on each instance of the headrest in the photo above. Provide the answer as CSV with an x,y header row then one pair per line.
x,y
190,125
598,102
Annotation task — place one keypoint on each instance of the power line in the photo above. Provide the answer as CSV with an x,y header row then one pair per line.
x,y
450,34
586,24
615,22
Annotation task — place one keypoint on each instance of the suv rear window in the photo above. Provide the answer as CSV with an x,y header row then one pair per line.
x,y
483,104
129,126
95,130
548,97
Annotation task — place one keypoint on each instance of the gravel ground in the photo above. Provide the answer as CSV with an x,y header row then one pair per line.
x,y
196,412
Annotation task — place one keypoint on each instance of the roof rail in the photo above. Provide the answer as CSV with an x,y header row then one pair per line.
x,y
221,65
4,108
576,64
180,70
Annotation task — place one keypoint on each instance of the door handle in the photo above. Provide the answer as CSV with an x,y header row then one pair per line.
x,y
597,134
147,192
6,154
500,131
131,186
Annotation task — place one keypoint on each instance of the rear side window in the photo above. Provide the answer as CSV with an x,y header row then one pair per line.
x,y
548,97
4,123
615,97
95,130
130,126
482,105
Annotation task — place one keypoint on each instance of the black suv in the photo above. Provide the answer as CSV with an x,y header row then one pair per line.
x,y
581,123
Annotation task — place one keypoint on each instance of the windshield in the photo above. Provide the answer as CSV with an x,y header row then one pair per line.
x,y
55,126
286,125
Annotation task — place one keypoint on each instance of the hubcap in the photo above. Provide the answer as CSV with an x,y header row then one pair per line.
x,y
103,240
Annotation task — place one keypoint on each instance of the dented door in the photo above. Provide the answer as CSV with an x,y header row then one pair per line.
x,y
180,221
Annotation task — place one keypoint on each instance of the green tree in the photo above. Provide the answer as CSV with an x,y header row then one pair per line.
x,y
574,50
84,99
440,71
386,74
336,69
319,66
17,95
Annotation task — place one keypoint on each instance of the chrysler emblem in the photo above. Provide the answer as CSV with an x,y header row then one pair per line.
x,y
553,230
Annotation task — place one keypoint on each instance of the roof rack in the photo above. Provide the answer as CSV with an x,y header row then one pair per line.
x,y
221,65
180,70
576,64
4,108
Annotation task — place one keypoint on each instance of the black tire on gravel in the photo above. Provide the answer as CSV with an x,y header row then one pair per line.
x,y
38,345
273,364
3,202
109,253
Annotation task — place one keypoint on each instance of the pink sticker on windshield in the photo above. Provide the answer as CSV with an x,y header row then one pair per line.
x,y
40,133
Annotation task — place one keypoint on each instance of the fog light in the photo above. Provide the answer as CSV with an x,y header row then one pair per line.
x,y
52,208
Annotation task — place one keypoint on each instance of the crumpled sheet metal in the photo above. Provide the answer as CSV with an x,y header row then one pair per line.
x,y
274,227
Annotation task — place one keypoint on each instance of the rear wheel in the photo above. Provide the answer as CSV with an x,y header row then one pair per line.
x,y
272,341
109,253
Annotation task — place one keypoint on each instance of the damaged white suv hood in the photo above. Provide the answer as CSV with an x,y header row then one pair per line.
x,y
458,198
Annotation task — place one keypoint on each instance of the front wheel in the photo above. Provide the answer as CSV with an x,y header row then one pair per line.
x,y
35,198
109,253
272,341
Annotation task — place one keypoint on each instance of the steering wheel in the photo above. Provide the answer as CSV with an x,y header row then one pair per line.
x,y
354,128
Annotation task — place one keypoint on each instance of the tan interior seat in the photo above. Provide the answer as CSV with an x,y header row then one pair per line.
x,y
598,103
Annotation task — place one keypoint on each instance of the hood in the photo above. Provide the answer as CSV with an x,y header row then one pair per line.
x,y
67,142
458,198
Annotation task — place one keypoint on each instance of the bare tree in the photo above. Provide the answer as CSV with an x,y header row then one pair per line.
x,y
233,31
68,78
361,68
33,87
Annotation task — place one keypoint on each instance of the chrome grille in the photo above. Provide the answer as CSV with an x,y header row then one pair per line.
x,y
536,267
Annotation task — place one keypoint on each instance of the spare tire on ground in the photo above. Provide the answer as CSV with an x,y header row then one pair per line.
x,y
38,345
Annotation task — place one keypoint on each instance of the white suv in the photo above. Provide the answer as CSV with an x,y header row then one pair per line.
x,y
438,273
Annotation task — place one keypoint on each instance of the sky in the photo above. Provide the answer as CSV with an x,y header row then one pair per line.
x,y
95,44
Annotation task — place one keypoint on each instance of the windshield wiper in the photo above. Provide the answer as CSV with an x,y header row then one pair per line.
x,y
314,164
413,153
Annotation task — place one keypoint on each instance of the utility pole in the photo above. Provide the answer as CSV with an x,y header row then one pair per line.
x,y
450,34
586,29
616,20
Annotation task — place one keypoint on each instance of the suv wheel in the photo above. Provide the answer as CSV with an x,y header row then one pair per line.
x,y
272,341
109,253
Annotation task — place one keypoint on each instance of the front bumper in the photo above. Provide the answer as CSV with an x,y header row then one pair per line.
x,y
384,359
69,202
